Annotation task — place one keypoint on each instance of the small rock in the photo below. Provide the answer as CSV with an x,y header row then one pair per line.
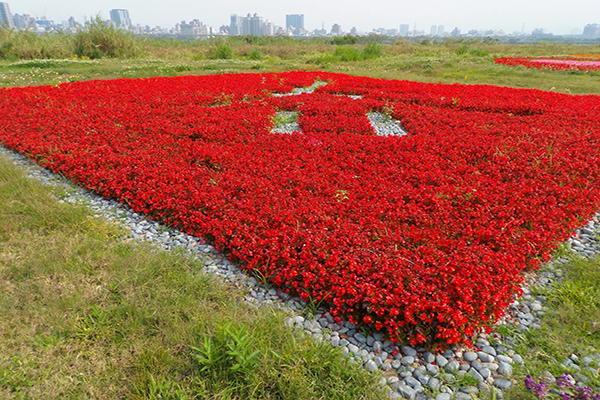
x,y
470,356
408,351
443,396
505,369
441,360
408,360
371,366
452,366
475,374
503,384
428,357
434,384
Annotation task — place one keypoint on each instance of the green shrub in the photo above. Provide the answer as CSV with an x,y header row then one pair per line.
x,y
255,55
347,53
222,51
372,50
99,40
15,45
347,39
462,50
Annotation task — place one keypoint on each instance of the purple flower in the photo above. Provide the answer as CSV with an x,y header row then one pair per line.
x,y
584,393
565,380
540,390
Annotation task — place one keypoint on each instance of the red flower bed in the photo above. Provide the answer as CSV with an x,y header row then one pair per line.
x,y
581,63
425,235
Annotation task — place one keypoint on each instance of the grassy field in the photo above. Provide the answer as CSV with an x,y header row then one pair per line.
x,y
88,315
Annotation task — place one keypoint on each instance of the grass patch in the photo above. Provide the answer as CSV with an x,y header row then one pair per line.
x,y
571,325
87,314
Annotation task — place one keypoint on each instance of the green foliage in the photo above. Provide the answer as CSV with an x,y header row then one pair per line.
x,y
372,50
347,39
462,50
221,51
230,353
347,53
99,40
255,55
16,45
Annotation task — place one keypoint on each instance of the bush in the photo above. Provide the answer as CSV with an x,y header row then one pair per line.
x,y
347,53
347,39
372,50
99,40
255,55
222,51
15,45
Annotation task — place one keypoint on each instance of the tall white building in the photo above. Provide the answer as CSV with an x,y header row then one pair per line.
x,y
120,18
6,17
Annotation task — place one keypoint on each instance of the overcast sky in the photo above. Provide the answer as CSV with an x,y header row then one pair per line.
x,y
556,16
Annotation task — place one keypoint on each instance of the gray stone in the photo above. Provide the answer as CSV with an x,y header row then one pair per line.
x,y
407,392
432,369
424,379
353,349
393,395
408,351
412,381
517,358
386,366
344,342
465,367
485,372
470,356
408,360
503,384
443,396
475,374
489,350
428,357
491,366
477,365
396,364
462,396
441,360
434,384
360,337
504,358
505,369
485,357
452,366
371,366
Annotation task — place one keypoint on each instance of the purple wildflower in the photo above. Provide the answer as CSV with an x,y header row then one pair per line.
x,y
540,390
565,380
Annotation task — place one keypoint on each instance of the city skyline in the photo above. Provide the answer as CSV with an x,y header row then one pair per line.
x,y
510,15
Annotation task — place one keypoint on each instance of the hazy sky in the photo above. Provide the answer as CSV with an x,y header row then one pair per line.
x,y
556,16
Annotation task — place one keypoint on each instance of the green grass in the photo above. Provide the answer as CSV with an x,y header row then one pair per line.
x,y
87,314
571,325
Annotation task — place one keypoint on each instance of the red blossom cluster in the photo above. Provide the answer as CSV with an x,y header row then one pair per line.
x,y
570,63
424,236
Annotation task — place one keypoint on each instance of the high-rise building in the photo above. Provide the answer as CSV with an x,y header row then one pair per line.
x,y
591,30
294,21
6,17
433,30
336,30
404,28
235,27
441,31
250,25
120,18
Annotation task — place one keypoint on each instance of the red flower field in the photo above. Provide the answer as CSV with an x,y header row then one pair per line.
x,y
424,236
570,63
